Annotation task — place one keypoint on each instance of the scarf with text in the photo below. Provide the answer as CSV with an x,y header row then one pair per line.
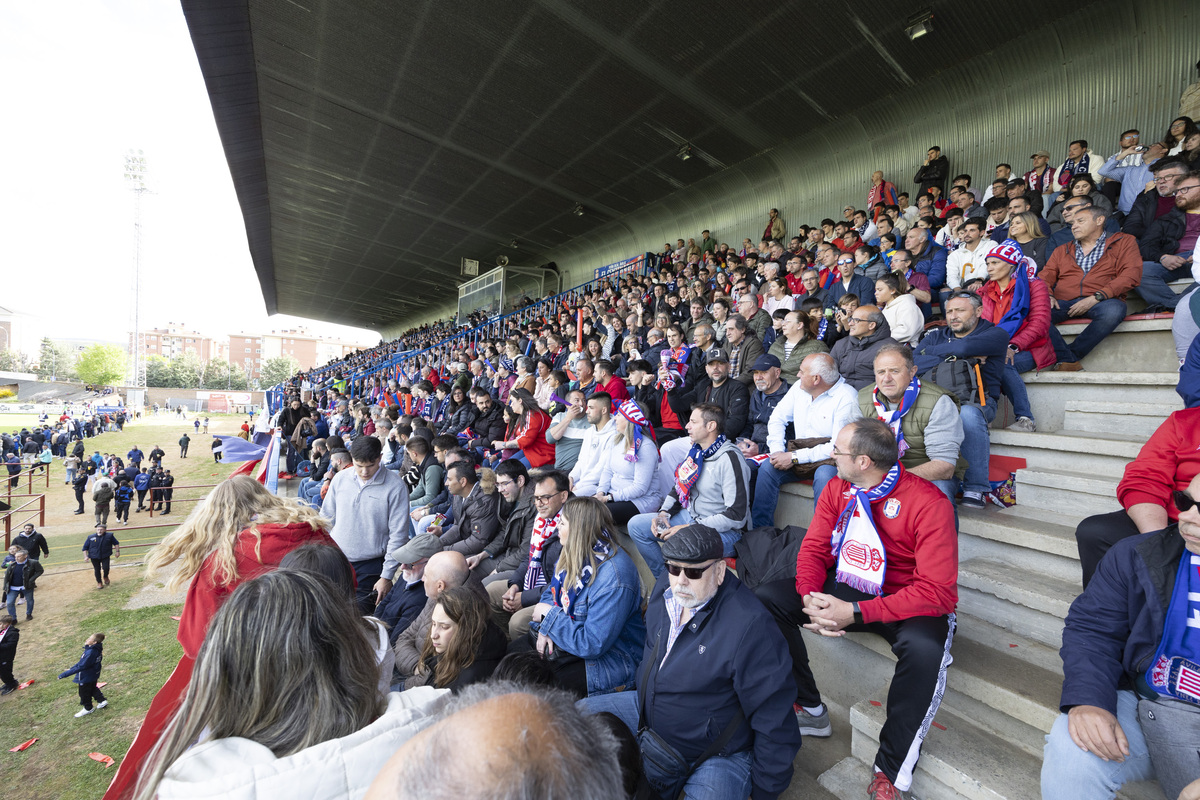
x,y
689,471
1070,170
1175,670
894,417
674,359
543,531
862,559
565,596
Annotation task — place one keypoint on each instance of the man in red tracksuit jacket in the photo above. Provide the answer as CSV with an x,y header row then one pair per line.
x,y
914,523
1167,461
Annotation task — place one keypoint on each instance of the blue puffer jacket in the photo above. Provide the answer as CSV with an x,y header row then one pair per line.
x,y
608,631
87,670
1114,627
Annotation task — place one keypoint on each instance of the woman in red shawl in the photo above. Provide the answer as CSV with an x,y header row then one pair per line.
x,y
240,531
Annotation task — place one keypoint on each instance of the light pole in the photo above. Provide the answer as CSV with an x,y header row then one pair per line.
x,y
136,169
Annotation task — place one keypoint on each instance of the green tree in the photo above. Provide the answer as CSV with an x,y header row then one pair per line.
x,y
278,370
55,361
185,371
158,372
102,364
219,375
14,361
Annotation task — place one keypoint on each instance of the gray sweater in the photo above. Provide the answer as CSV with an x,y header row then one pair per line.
x,y
721,497
369,521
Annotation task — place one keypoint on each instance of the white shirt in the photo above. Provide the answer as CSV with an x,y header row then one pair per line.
x,y
593,454
822,416
965,265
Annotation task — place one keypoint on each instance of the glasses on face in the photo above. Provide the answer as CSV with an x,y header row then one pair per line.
x,y
837,453
504,484
964,295
845,261
1183,501
1186,189
691,573
857,319
541,499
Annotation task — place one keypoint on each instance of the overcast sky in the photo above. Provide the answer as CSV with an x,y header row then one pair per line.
x,y
81,83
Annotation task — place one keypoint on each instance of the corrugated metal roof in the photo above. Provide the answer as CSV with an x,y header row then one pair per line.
x,y
373,144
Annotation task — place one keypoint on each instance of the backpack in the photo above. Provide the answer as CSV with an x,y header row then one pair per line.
x,y
961,377
103,492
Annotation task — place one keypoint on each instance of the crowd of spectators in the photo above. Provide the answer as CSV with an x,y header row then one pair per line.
x,y
557,498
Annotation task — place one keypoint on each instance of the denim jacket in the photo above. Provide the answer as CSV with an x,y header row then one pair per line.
x,y
611,641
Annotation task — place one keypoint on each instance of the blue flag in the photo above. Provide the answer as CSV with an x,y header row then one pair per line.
x,y
235,448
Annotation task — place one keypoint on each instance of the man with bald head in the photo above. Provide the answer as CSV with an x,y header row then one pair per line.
x,y
502,741
819,403
443,571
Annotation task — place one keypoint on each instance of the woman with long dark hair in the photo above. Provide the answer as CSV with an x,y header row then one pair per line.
x,y
464,644
460,414
531,431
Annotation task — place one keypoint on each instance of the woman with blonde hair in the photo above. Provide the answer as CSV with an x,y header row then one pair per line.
x,y
629,478
464,645
589,622
283,701
240,531
1026,229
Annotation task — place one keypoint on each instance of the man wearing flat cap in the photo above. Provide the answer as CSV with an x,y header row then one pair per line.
x,y
407,597
714,690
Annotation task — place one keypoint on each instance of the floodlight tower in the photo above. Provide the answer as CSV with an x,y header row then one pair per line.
x,y
136,170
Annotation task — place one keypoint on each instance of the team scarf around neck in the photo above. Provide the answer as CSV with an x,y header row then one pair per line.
x,y
689,471
862,559
1175,670
1067,172
894,417
1018,309
824,326
543,530
566,595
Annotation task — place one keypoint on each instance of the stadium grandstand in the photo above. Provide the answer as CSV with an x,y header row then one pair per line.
x,y
741,225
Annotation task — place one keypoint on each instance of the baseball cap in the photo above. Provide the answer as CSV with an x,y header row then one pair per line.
x,y
765,362
1042,153
716,354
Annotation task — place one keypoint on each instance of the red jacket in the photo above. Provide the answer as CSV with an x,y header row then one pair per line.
x,y
1117,271
204,596
1169,460
616,390
921,579
1034,334
532,440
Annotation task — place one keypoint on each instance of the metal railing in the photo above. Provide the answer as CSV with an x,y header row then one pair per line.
x,y
174,499
9,486
40,499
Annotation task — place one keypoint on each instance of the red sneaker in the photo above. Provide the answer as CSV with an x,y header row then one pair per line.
x,y
883,789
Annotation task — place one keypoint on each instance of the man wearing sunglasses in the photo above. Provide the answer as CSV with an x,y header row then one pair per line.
x,y
713,661
850,282
1131,666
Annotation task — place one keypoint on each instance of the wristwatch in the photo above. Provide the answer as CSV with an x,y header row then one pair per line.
x,y
1100,296
858,617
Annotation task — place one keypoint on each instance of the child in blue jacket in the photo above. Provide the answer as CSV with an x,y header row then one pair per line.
x,y
87,673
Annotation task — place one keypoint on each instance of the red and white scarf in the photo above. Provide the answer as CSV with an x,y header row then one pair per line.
x,y
543,530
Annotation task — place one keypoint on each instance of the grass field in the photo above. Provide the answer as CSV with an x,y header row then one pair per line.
x,y
14,422
140,650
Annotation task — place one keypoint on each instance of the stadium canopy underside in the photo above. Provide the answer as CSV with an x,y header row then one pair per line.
x,y
375,144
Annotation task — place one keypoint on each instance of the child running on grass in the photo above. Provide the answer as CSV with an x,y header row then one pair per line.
x,y
87,673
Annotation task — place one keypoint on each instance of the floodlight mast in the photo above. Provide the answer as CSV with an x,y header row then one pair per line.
x,y
136,170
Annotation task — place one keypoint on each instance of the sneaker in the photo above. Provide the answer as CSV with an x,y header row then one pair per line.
x,y
883,789
8,689
810,725
972,500
83,712
28,617
102,704
106,580
1023,424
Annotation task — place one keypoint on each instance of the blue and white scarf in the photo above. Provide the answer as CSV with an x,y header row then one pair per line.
x,y
1068,171
824,326
688,473
862,559
566,597
1175,670
895,417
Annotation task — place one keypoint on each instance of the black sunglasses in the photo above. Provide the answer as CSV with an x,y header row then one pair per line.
x,y
692,573
1183,503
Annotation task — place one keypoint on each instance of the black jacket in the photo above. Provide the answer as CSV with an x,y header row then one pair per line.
x,y
511,545
400,607
551,550
476,522
933,174
8,645
1142,214
732,396
34,544
32,571
1163,235
488,427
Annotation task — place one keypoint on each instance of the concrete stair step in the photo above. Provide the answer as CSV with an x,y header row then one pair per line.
x,y
1092,452
1136,344
958,760
1023,526
1100,416
1067,491
986,634
1050,391
847,780
1029,589
1002,683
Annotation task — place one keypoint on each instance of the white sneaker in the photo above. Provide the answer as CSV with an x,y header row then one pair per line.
x,y
102,704
83,712
1023,424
